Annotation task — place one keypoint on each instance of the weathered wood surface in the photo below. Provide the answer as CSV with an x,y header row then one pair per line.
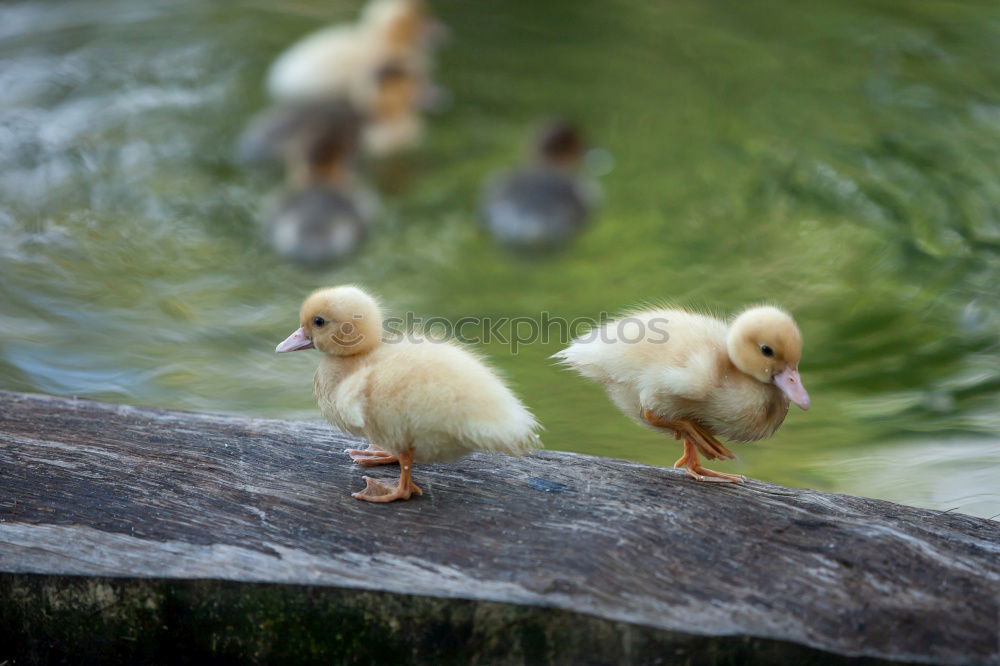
x,y
133,534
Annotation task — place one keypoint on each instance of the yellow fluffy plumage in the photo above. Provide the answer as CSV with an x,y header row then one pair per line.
x,y
695,376
415,399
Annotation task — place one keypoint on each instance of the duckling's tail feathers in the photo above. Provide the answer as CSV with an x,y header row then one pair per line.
x,y
516,436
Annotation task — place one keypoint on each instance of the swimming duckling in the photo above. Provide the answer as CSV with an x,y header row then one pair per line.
x,y
414,400
326,213
546,204
285,134
394,122
691,375
387,122
339,61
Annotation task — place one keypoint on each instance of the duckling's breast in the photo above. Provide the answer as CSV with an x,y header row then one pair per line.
x,y
340,390
744,409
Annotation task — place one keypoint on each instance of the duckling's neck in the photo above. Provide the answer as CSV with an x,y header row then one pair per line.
x,y
334,368
567,163
390,107
335,174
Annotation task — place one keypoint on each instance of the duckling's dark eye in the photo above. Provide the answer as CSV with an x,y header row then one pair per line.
x,y
319,321
766,351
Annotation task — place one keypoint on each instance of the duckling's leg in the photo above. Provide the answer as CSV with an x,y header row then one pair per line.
x,y
709,446
709,442
371,456
376,491
696,438
689,461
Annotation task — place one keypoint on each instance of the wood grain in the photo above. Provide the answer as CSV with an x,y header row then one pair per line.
x,y
152,506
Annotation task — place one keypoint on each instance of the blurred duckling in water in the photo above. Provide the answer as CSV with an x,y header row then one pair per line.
x,y
693,376
394,123
339,61
415,401
546,204
388,123
285,134
325,214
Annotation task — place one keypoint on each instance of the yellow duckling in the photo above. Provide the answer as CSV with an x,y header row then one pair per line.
x,y
339,61
414,399
696,377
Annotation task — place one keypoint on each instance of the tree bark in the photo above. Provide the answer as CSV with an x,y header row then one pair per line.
x,y
136,535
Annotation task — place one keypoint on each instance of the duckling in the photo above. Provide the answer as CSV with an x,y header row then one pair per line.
x,y
546,204
387,122
414,400
692,375
394,124
286,133
325,215
339,60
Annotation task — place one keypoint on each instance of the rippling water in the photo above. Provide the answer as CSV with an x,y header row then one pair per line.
x,y
840,158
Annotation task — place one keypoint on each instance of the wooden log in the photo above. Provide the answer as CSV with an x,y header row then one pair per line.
x,y
131,535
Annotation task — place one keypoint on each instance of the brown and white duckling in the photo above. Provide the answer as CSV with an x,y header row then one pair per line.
x,y
394,123
547,203
286,134
414,400
694,376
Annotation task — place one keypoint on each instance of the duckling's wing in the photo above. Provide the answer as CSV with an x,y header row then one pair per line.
x,y
693,380
444,401
657,352
346,403
351,400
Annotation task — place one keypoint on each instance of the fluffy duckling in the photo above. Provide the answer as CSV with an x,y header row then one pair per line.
x,y
338,61
546,204
325,214
694,376
414,400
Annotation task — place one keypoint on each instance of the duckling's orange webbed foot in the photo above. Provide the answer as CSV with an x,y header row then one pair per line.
x,y
377,491
371,457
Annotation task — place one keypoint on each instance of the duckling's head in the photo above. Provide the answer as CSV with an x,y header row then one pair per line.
x,y
560,143
397,91
341,321
399,22
765,343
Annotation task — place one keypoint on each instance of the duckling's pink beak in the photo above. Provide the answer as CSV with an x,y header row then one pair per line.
x,y
790,383
295,342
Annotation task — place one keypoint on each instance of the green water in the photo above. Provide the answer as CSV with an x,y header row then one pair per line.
x,y
839,158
